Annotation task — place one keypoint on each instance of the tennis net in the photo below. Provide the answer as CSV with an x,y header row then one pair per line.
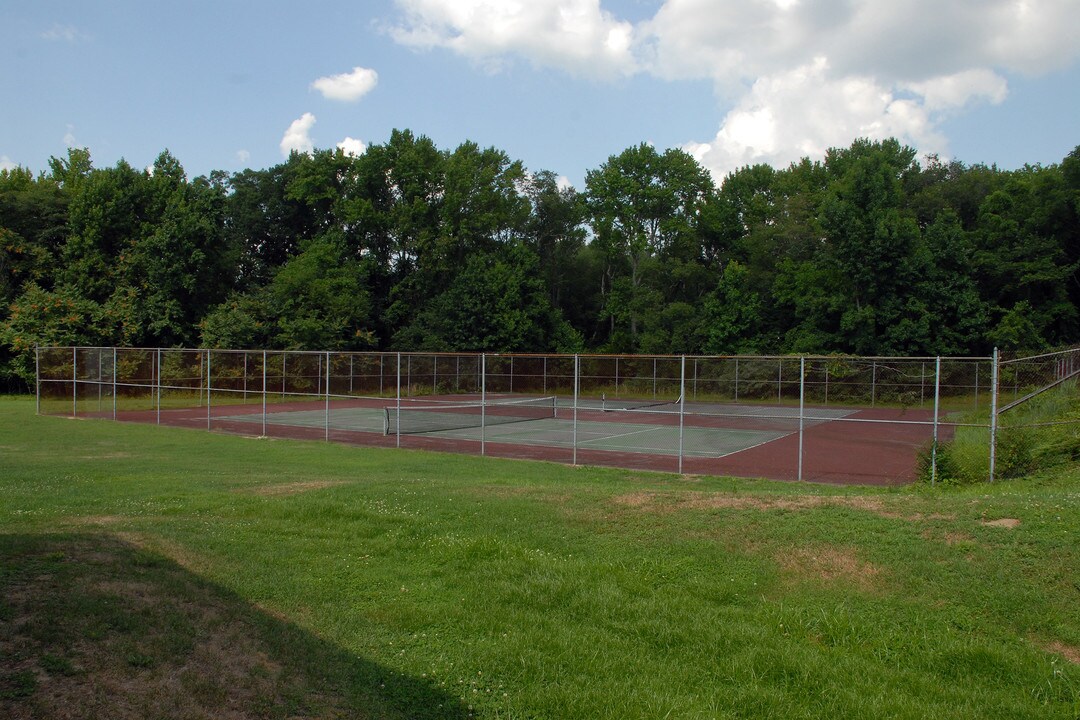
x,y
620,405
411,420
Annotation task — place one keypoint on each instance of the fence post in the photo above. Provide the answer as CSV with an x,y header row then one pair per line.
x,y
937,405
114,384
209,384
74,382
682,408
483,402
327,436
397,422
826,383
654,378
802,401
873,383
37,378
993,411
157,382
264,395
576,382
736,379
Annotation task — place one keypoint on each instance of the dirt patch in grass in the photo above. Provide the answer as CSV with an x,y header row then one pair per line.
x,y
956,537
661,502
294,488
830,565
1007,523
1069,652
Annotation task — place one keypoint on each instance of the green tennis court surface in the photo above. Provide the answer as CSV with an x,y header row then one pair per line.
x,y
623,435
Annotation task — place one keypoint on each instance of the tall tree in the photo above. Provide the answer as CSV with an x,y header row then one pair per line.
x,y
1022,260
644,206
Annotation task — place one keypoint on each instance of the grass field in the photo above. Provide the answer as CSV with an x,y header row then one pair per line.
x,y
157,572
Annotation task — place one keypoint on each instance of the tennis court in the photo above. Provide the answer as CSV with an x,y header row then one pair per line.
x,y
834,419
600,425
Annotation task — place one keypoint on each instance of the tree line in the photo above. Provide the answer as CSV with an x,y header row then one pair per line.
x,y
411,247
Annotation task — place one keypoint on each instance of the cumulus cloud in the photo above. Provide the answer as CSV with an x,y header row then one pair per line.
x,y
242,156
951,92
793,77
352,146
901,40
348,87
69,137
804,112
573,35
298,137
6,163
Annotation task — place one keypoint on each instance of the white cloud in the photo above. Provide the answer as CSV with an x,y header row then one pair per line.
x,y
794,77
900,40
804,112
349,87
69,137
6,163
297,136
573,35
956,91
352,146
242,156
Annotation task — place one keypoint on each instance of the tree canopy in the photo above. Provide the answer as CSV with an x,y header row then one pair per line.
x,y
869,250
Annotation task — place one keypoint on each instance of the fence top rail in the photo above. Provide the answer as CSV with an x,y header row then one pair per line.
x,y
1042,356
872,358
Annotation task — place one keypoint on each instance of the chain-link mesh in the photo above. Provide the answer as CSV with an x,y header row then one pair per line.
x,y
839,418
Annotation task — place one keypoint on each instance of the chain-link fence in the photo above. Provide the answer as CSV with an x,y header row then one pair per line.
x,y
829,418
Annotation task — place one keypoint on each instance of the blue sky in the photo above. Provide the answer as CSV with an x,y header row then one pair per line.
x,y
558,84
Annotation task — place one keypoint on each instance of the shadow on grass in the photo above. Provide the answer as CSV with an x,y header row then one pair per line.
x,y
94,627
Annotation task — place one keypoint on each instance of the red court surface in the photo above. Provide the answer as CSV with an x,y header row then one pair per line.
x,y
878,446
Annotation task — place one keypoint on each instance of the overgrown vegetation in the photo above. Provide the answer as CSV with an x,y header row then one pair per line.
x,y
410,247
185,574
1041,435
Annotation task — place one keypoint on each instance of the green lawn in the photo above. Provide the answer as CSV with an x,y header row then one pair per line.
x,y
157,572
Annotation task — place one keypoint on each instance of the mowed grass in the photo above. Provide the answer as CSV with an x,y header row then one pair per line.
x,y
157,572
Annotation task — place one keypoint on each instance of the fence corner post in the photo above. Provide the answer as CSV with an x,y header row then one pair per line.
x,y
995,377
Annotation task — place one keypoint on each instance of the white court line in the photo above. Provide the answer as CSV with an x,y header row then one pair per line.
x,y
763,442
634,432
